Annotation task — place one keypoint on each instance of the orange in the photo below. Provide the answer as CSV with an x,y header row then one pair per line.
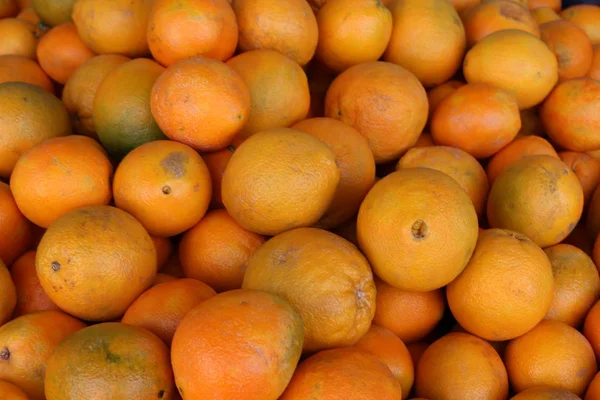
x,y
587,169
594,71
113,27
593,216
28,116
438,93
519,148
544,14
586,16
384,102
591,328
289,27
462,6
526,196
493,16
352,32
392,352
79,91
60,52
571,45
121,109
95,261
26,343
53,12
477,118
461,366
531,124
29,14
71,172
30,294
23,69
343,373
416,350
278,180
490,278
552,4
355,162
279,93
529,73
216,251
418,228
409,315
568,116
18,37
9,295
324,277
576,284
545,393
16,232
216,162
161,308
253,332
164,250
8,8
110,361
165,185
593,391
425,140
201,102
9,391
173,266
458,164
551,354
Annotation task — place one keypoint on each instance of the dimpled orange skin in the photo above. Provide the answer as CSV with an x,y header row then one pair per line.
x,y
241,344
491,277
587,169
414,221
27,342
324,277
15,68
278,180
586,16
385,102
570,116
200,102
95,261
110,361
9,294
546,393
461,366
538,196
343,373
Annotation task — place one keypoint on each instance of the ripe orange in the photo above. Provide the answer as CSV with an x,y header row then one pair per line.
x,y
161,308
71,172
15,68
113,27
348,373
384,102
10,391
53,12
438,93
355,162
278,87
529,73
552,4
594,71
16,232
591,328
490,278
189,98
19,37
164,249
352,32
545,393
519,148
8,8
325,277
418,228
9,294
416,350
436,26
586,16
551,354
253,332
497,15
593,391
111,361
461,366
477,118
526,196
545,14
216,251
462,6
587,169
163,278
278,180
165,185
216,162
26,343
392,352
289,27
79,91
60,52
568,116
95,261
409,315
30,294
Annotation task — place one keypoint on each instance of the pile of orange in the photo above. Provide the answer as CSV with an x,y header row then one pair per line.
x,y
299,200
